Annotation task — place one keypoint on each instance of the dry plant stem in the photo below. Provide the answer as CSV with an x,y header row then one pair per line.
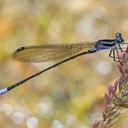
x,y
116,100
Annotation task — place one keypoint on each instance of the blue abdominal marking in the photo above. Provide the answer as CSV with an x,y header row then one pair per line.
x,y
4,90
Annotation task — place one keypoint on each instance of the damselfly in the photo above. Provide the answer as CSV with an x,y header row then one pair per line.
x,y
63,52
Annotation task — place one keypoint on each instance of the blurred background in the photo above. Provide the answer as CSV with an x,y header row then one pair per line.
x,y
71,95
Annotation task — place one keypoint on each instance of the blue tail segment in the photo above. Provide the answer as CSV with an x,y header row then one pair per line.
x,y
4,90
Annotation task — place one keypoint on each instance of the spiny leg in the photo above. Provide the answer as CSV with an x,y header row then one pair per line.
x,y
110,53
121,49
114,53
118,59
114,57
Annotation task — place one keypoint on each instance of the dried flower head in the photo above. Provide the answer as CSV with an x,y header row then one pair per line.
x,y
116,100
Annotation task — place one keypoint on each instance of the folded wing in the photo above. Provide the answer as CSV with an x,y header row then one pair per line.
x,y
50,52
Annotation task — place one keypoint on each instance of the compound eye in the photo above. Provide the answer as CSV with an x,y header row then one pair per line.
x,y
118,35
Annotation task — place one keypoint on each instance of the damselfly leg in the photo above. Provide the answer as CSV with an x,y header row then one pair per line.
x,y
115,53
122,49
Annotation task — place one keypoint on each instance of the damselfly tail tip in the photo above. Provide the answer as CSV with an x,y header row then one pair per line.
x,y
4,90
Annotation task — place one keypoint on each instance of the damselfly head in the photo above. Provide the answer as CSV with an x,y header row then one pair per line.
x,y
119,38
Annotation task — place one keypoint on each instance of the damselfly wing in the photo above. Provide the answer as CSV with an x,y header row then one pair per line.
x,y
50,52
